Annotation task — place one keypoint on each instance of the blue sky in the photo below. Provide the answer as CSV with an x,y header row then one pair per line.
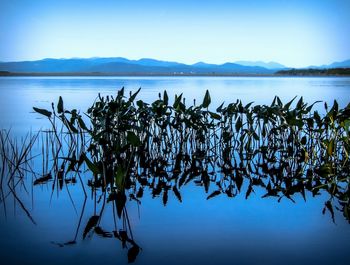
x,y
295,33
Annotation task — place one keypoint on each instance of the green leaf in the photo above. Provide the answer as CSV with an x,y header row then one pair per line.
x,y
308,109
324,170
132,97
219,109
139,103
330,147
214,115
120,93
165,98
43,112
82,124
133,139
94,169
60,105
286,107
206,100
279,102
119,177
177,101
246,107
335,106
300,104
120,200
70,125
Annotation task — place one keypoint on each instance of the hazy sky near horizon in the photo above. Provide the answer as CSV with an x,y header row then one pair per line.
x,y
295,32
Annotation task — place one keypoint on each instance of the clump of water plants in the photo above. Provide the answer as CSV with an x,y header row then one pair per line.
x,y
122,148
285,149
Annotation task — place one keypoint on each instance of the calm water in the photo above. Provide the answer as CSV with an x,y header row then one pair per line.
x,y
196,231
20,94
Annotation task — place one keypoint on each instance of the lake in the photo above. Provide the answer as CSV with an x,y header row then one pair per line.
x,y
195,231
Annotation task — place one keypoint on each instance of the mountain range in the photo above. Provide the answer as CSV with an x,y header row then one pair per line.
x,y
123,66
343,64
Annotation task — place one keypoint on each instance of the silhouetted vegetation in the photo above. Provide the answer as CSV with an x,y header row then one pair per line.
x,y
129,146
316,71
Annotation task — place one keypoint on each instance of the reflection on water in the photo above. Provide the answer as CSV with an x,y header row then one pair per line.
x,y
108,181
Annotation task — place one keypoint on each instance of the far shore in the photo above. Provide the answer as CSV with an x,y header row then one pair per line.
x,y
77,74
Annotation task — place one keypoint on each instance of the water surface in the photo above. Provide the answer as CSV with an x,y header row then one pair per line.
x,y
20,94
196,231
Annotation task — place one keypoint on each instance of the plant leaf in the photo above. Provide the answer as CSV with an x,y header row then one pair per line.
x,y
214,115
43,112
90,224
206,100
177,193
132,253
177,101
94,169
43,179
60,105
132,97
215,193
133,139
165,98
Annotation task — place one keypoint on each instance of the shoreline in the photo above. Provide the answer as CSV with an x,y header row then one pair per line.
x,y
82,74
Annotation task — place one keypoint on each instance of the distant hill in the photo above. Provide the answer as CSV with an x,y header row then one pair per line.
x,y
147,66
269,65
119,65
343,64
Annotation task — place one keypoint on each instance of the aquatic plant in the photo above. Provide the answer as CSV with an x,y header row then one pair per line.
x,y
282,148
15,158
123,147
